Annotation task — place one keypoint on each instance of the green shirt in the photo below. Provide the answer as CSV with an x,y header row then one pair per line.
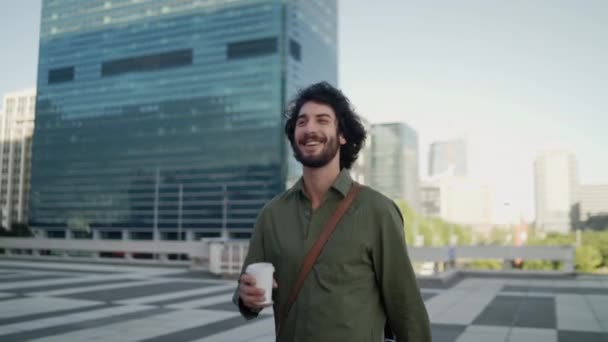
x,y
362,277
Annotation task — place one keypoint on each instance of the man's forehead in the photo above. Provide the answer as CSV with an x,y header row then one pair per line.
x,y
316,109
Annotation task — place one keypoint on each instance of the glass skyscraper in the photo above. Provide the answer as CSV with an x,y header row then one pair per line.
x,y
395,162
164,115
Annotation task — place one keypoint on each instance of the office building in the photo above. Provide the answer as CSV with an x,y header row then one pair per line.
x,y
448,157
593,200
458,200
155,117
556,190
395,162
16,129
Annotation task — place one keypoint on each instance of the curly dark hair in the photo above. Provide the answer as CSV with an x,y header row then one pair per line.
x,y
349,123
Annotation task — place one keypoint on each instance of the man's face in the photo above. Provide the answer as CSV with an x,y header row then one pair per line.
x,y
316,135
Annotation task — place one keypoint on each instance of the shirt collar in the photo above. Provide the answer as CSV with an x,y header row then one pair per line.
x,y
342,184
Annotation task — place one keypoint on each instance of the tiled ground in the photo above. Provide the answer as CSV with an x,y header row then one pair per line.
x,y
42,301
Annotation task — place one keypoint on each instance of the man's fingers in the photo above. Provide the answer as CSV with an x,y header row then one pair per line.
x,y
254,302
253,299
251,295
252,291
248,279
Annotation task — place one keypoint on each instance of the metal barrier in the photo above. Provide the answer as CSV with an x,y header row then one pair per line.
x,y
565,254
226,257
92,250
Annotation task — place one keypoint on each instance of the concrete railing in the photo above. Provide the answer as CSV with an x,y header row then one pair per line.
x,y
226,257
125,250
561,253
427,254
564,254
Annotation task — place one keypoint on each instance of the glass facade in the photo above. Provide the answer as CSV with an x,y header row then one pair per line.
x,y
395,162
166,114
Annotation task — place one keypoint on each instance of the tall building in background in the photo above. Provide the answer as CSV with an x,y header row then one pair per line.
x,y
395,162
430,198
448,156
458,200
165,116
361,170
16,130
593,200
555,185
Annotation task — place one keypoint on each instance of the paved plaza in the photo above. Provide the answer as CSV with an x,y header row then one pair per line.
x,y
52,301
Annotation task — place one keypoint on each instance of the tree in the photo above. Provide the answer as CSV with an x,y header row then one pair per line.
x,y
599,240
588,258
436,232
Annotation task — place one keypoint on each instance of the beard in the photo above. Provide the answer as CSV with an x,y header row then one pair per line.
x,y
323,158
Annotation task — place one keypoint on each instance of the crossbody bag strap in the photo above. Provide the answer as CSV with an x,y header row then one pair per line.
x,y
316,250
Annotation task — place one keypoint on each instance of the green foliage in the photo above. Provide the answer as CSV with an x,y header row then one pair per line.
x,y
591,254
588,258
486,264
436,232
551,239
541,265
599,240
499,236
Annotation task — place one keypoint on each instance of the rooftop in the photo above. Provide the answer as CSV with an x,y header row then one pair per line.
x,y
54,301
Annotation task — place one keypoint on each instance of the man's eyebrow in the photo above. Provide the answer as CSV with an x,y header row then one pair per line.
x,y
316,115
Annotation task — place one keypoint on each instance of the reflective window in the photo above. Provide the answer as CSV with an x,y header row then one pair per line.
x,y
61,75
252,48
153,62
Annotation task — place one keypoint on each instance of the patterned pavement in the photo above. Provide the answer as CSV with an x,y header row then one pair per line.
x,y
51,301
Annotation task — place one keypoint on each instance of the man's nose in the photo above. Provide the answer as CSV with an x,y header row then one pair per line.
x,y
310,127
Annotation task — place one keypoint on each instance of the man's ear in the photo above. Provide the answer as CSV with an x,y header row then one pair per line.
x,y
342,140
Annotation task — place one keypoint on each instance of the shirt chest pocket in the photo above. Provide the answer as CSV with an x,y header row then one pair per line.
x,y
345,257
346,243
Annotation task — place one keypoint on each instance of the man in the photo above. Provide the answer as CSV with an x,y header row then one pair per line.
x,y
364,276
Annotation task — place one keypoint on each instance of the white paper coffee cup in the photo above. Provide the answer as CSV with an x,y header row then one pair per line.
x,y
263,274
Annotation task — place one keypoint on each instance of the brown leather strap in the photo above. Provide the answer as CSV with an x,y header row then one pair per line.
x,y
316,250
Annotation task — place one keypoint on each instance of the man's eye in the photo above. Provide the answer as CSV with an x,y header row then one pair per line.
x,y
300,122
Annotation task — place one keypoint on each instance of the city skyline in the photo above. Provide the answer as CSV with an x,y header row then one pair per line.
x,y
513,79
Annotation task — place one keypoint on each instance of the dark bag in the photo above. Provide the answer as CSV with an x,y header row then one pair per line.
x,y
388,334
313,254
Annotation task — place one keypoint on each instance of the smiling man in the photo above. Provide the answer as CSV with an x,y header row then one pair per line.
x,y
363,276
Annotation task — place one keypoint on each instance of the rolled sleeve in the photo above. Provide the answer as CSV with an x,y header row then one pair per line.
x,y
254,254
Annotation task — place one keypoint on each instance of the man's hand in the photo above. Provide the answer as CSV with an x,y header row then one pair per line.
x,y
252,296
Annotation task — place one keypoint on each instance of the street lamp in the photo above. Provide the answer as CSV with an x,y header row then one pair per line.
x,y
155,226
224,212
179,214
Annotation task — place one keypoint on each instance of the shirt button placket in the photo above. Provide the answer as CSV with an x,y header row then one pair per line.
x,y
307,221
